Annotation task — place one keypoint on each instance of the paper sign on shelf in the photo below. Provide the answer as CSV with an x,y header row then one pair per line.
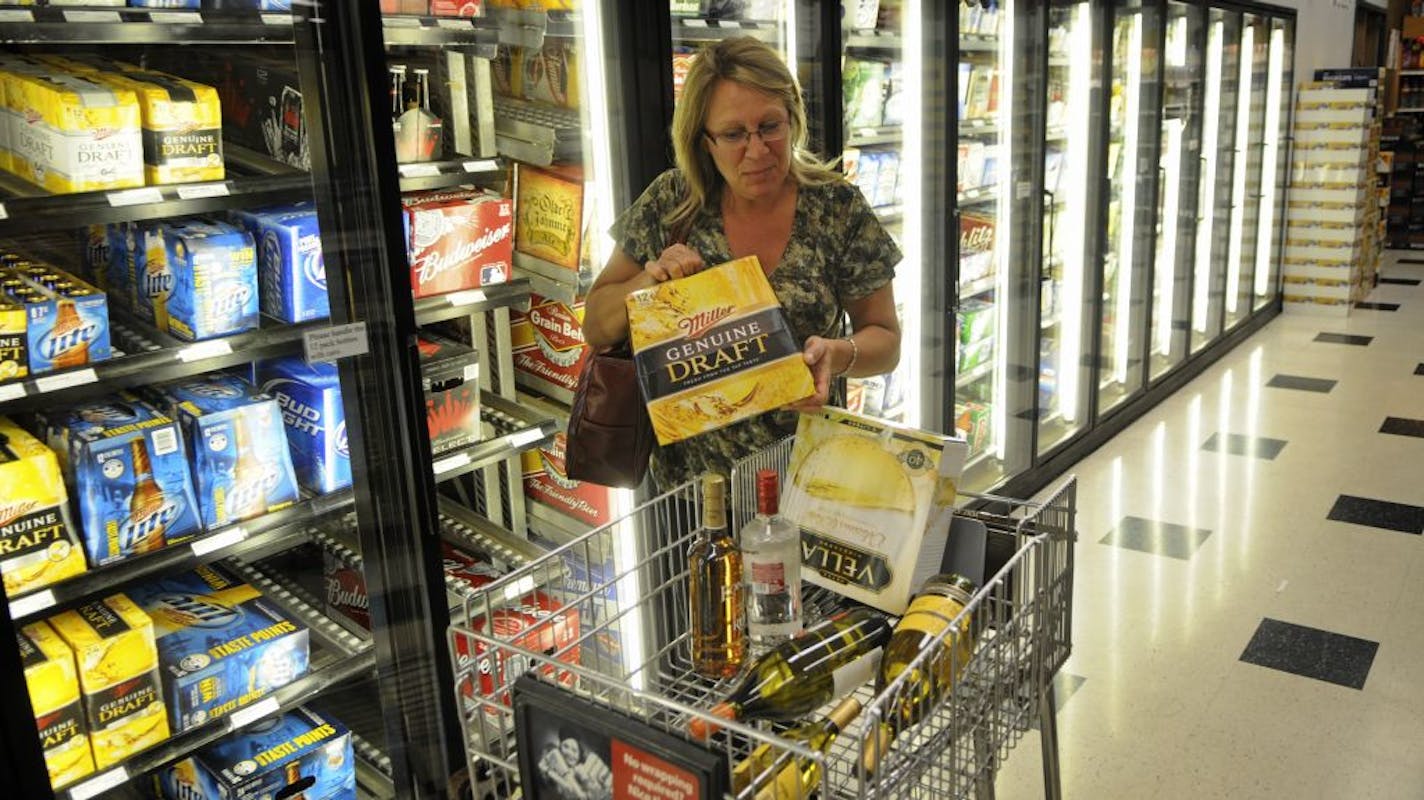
x,y
31,603
50,383
335,342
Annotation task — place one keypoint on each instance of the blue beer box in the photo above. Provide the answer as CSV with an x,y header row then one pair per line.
x,y
310,397
69,331
139,268
266,758
237,446
124,463
214,269
222,644
291,270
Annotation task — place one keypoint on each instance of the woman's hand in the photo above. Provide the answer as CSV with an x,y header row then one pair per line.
x,y
819,355
676,261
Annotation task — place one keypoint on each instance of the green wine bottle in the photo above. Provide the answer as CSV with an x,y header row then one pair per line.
x,y
802,674
795,778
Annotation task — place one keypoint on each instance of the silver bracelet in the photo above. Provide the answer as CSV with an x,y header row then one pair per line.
x,y
854,354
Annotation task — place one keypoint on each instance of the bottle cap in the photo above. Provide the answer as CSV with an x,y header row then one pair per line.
x,y
701,728
768,491
952,585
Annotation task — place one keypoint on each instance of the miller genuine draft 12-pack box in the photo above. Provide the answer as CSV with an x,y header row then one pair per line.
x,y
54,694
38,541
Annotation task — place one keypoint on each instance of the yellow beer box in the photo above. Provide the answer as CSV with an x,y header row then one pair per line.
x,y
14,344
549,213
54,695
38,541
182,124
118,671
874,501
714,348
71,133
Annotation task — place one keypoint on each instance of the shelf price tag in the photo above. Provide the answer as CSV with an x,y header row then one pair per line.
x,y
466,297
419,170
337,341
92,16
176,17
400,22
200,190
202,350
695,23
16,15
65,380
133,197
10,391
523,438
99,784
454,462
218,541
277,19
3,213
31,603
253,713
454,24
484,165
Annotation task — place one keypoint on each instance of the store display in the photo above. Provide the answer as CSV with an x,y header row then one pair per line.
x,y
302,754
290,265
39,544
548,346
771,561
54,694
458,240
213,267
310,397
222,645
851,479
802,776
64,321
714,348
113,645
716,595
796,677
450,375
69,133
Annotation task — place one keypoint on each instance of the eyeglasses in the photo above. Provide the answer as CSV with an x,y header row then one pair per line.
x,y
768,131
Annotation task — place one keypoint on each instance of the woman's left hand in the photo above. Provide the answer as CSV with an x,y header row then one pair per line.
x,y
818,356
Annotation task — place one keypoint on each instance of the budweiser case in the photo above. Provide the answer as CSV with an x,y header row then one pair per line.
x,y
54,694
457,240
450,374
346,590
38,542
222,645
237,446
301,754
310,397
549,350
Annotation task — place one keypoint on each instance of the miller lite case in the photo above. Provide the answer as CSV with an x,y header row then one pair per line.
x,y
310,397
124,462
141,265
291,271
275,757
118,671
214,268
457,240
66,319
38,542
450,376
237,447
222,645
54,694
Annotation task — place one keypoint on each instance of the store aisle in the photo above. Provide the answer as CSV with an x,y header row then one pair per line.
x,y
1249,601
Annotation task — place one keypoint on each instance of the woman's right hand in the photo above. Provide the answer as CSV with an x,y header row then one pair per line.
x,y
676,261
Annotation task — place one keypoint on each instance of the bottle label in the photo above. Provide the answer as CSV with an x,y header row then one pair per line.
x,y
930,614
855,674
768,577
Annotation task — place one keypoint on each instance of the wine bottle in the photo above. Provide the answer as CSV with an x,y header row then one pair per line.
x,y
717,595
804,673
771,556
930,613
795,777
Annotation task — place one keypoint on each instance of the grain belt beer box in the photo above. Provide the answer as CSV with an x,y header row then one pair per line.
x,y
547,482
113,647
38,541
714,348
54,694
549,349
300,755
310,397
457,240
222,644
874,501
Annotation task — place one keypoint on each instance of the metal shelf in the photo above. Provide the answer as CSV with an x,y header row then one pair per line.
x,y
873,135
702,29
472,301
520,430
984,285
978,43
400,29
977,128
536,133
465,528
979,194
374,774
280,527
976,374
874,40
53,25
423,175
550,280
528,27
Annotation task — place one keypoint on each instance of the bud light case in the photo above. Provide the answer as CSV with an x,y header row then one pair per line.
x,y
63,329
290,267
305,749
310,397
214,268
125,465
222,644
236,444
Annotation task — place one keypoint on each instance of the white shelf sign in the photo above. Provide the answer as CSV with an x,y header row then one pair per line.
x,y
133,197
419,170
202,350
253,713
65,380
445,465
32,603
10,391
92,16
16,15
176,17
99,784
218,541
200,190
337,341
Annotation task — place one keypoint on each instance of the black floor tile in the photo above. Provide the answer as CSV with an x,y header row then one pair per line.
x,y
1238,444
1378,307
1311,653
1156,537
1378,514
1344,338
1302,383
1400,426
1400,281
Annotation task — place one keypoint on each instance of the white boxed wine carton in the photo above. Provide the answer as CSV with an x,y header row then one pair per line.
x,y
874,501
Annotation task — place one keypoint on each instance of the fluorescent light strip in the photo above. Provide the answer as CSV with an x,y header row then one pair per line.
x,y
1238,170
788,13
1267,217
1080,80
1127,211
1167,247
1210,135
911,274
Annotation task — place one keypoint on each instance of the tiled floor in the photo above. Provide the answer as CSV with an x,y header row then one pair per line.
x,y
1249,626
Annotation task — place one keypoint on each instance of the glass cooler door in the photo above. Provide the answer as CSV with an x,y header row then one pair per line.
x,y
1274,164
1254,112
1218,196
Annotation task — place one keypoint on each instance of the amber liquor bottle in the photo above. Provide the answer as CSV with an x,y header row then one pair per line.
x,y
717,595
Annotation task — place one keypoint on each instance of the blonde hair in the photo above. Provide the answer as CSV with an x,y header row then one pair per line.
x,y
753,64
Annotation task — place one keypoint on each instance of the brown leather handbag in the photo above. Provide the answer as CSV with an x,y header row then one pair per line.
x,y
610,437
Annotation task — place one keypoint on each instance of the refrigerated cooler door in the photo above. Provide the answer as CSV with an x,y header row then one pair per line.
x,y
1253,114
1218,195
1274,160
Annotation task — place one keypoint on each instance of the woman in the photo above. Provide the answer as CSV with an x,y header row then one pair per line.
x,y
745,185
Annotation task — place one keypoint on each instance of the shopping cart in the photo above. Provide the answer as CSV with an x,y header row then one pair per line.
x,y
625,582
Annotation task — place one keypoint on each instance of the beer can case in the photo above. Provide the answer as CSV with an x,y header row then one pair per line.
x,y
222,645
291,270
143,267
69,133
450,375
549,349
114,650
345,590
237,447
39,544
14,344
546,481
266,758
458,240
94,255
123,510
54,694
214,268
310,397
64,330
538,623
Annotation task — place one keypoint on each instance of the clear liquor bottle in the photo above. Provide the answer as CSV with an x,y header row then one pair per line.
x,y
771,559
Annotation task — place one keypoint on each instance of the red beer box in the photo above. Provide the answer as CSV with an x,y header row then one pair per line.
x,y
346,591
546,482
457,8
538,623
450,374
405,6
465,568
549,350
457,240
